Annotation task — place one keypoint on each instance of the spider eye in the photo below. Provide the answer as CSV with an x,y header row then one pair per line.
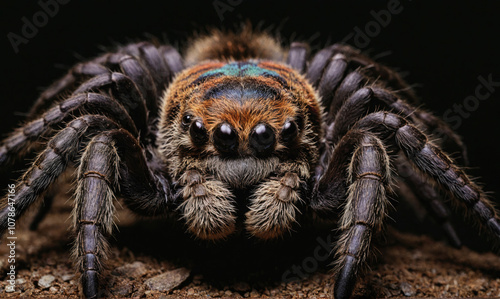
x,y
262,138
225,138
198,132
186,120
289,131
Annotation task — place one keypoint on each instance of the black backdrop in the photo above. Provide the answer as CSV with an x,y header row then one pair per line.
x,y
443,48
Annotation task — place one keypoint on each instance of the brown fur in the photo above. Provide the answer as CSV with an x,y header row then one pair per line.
x,y
273,207
225,46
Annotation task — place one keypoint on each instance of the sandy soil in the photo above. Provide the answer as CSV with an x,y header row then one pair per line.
x,y
146,258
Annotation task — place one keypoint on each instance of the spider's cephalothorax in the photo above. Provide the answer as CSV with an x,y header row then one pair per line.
x,y
240,125
249,136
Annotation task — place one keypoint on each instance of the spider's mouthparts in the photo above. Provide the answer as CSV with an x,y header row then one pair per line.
x,y
241,172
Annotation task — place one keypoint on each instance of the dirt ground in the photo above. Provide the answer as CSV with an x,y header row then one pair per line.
x,y
147,261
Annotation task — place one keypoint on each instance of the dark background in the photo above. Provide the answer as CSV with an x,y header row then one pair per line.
x,y
443,48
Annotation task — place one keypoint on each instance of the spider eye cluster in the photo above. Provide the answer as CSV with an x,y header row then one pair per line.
x,y
262,139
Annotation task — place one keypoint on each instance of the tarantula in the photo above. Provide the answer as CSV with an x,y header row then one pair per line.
x,y
239,134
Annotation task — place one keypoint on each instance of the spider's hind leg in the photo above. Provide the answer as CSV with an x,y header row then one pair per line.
x,y
430,199
142,62
297,56
330,64
340,70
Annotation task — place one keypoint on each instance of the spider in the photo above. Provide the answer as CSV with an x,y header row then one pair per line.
x,y
238,134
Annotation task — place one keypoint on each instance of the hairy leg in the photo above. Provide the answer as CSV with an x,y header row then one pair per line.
x,y
364,212
297,56
354,185
61,150
28,137
427,195
324,68
430,160
339,70
109,156
94,211
124,91
141,62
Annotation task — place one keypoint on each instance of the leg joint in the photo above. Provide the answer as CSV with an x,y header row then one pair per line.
x,y
370,175
91,222
97,174
364,223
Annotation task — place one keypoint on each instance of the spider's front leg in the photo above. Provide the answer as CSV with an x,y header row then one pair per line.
x,y
109,156
275,205
360,168
207,206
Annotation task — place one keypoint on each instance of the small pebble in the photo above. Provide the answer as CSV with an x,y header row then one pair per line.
x,y
67,277
134,270
167,281
20,281
46,281
407,289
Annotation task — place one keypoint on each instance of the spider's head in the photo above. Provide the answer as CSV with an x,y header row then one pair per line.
x,y
238,121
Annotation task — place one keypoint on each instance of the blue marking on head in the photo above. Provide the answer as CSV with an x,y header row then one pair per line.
x,y
240,69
